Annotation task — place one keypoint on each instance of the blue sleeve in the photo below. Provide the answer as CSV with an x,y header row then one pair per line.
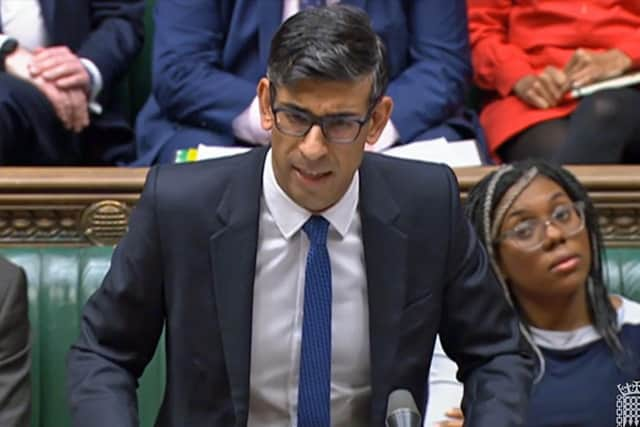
x,y
189,80
433,86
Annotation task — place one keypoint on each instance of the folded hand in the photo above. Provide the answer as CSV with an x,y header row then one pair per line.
x,y
70,105
544,90
587,66
60,66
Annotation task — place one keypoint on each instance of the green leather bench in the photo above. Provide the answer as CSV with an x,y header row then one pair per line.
x,y
623,271
60,281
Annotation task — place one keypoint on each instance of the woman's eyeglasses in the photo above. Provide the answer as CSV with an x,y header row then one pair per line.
x,y
529,235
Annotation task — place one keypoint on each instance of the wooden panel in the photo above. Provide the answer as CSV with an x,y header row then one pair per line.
x,y
91,206
66,206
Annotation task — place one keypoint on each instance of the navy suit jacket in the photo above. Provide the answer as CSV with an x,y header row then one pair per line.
x,y
188,262
210,54
110,34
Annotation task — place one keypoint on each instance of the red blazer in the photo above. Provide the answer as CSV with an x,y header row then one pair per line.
x,y
513,38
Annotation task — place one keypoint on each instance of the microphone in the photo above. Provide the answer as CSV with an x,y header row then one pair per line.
x,y
402,410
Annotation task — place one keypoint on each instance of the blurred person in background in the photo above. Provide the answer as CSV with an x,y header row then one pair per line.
x,y
209,55
530,54
15,347
61,61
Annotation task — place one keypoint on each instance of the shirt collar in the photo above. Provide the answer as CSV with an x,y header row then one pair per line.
x,y
566,340
290,217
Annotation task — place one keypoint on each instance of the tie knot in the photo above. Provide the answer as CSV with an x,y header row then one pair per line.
x,y
316,229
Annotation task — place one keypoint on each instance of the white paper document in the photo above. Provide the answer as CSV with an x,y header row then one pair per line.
x,y
614,83
213,151
453,154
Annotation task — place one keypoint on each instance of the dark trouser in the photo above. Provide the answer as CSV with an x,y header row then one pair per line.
x,y
32,134
604,128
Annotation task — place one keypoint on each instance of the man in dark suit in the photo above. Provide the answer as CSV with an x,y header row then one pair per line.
x,y
59,97
15,348
301,285
205,73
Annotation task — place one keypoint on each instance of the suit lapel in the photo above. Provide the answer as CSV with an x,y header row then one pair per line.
x,y
385,249
269,19
233,259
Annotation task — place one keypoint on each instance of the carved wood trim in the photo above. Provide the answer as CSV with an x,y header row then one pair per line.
x,y
66,206
615,191
91,206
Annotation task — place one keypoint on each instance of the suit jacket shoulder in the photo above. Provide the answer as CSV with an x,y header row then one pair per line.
x,y
411,182
210,180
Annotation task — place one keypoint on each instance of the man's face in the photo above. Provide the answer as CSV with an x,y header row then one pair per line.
x,y
314,171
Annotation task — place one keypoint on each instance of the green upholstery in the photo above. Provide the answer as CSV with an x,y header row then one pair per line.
x,y
61,280
623,272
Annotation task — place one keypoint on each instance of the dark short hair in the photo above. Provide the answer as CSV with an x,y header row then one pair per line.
x,y
333,43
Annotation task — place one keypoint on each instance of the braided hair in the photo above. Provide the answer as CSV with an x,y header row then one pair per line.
x,y
481,208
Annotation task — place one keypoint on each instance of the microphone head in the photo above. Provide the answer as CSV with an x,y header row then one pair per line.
x,y
402,410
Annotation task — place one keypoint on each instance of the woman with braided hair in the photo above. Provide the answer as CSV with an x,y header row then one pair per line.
x,y
541,233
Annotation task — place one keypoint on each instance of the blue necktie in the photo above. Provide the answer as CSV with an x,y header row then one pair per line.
x,y
304,4
314,403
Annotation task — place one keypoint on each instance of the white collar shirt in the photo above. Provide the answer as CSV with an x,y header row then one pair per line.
x,y
278,300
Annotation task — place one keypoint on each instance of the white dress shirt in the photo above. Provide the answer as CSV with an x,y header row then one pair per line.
x,y
246,126
22,20
278,300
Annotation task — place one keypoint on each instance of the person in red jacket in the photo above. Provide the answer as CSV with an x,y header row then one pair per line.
x,y
530,54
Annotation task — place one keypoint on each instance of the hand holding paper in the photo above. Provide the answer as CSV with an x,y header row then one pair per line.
x,y
622,81
587,66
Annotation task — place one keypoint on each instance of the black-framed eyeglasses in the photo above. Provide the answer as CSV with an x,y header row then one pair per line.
x,y
336,129
529,235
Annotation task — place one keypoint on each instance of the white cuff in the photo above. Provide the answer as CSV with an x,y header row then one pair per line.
x,y
247,126
388,137
96,85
